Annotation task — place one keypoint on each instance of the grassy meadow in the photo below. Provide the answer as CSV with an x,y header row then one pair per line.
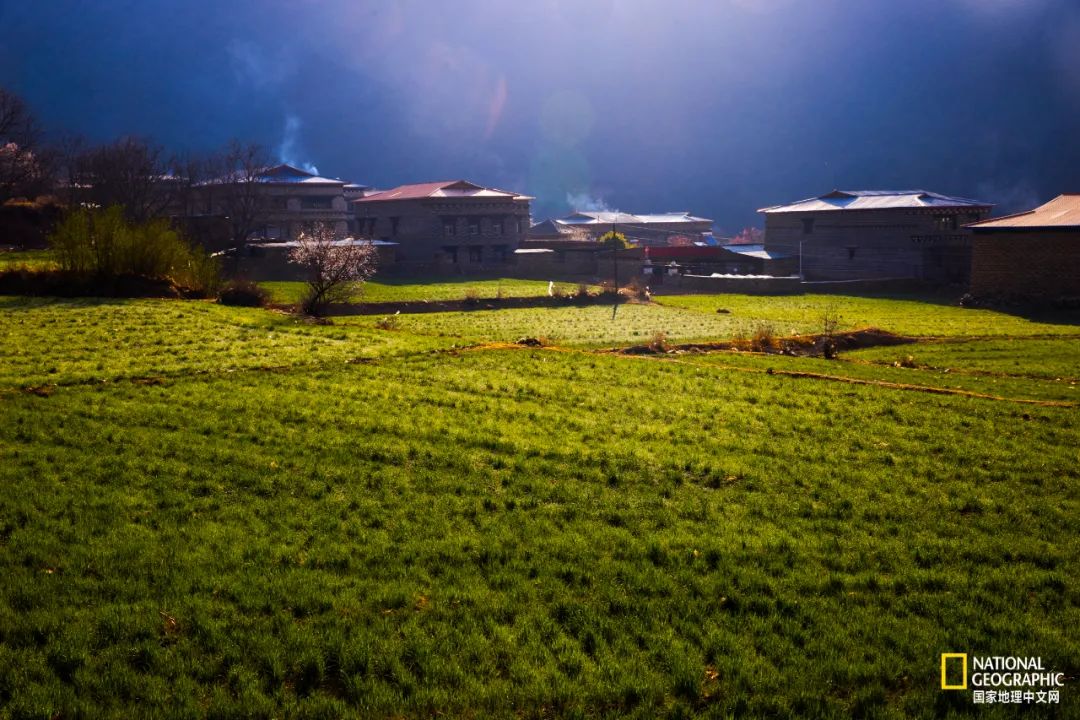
x,y
401,290
228,512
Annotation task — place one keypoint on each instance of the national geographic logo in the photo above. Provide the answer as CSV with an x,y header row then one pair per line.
x,y
1002,678
945,663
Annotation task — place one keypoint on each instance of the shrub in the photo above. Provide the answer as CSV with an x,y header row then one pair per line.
x,y
243,293
104,245
390,322
764,338
830,321
659,342
472,295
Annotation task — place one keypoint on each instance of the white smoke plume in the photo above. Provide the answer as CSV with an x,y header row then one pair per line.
x,y
287,150
585,202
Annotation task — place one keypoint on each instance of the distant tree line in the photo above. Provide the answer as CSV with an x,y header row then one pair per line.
x,y
131,172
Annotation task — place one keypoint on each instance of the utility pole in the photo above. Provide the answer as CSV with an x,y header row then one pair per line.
x,y
615,265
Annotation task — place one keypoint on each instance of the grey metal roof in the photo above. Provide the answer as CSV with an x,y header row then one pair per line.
x,y
282,174
334,243
876,200
607,217
756,251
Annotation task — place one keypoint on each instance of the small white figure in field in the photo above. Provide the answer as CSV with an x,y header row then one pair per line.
x,y
648,293
551,288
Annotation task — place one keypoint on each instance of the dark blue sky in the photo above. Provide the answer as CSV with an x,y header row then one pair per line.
x,y
718,107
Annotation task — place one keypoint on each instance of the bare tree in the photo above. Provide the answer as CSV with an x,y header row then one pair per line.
x,y
130,172
336,269
70,149
236,187
24,168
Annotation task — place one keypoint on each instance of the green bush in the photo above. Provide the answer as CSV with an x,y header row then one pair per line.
x,y
243,293
103,244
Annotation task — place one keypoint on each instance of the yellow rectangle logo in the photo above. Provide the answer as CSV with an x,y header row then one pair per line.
x,y
945,657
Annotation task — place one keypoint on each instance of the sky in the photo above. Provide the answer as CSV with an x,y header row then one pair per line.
x,y
716,107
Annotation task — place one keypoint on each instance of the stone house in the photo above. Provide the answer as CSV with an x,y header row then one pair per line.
x,y
446,227
876,234
648,230
288,200
1030,255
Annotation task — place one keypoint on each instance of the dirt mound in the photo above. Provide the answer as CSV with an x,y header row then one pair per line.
x,y
800,345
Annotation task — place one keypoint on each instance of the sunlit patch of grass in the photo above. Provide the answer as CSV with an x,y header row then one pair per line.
x,y
390,290
915,315
590,325
63,341
28,260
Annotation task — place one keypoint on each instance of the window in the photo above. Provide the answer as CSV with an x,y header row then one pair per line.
x,y
498,253
474,227
519,226
394,225
451,252
476,253
449,228
371,226
945,222
497,227
808,226
277,202
851,251
317,203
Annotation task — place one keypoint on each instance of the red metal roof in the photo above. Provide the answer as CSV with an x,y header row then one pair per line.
x,y
408,192
445,188
1061,212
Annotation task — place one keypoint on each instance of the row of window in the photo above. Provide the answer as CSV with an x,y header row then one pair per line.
x,y
316,202
476,253
474,226
942,223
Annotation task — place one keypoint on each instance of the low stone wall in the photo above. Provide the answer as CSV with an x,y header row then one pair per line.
x,y
745,285
882,285
791,285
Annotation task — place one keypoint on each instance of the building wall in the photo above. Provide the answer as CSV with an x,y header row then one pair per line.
x,y
287,209
897,243
291,208
447,235
1038,265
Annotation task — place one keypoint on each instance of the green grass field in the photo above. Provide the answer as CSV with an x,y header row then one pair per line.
x,y
225,512
27,259
392,290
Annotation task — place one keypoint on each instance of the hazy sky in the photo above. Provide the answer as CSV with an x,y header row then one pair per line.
x,y
717,107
